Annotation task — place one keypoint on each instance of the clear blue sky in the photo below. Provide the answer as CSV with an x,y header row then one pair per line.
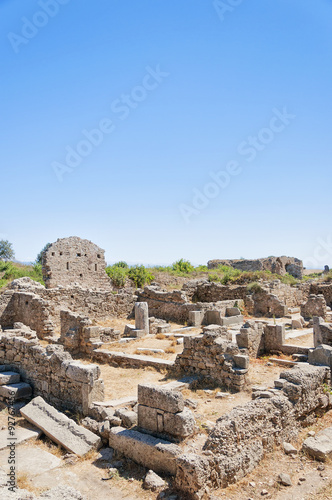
x,y
180,89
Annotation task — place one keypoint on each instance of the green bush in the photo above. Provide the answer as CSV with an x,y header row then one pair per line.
x,y
201,269
122,264
13,271
214,277
140,276
117,274
183,266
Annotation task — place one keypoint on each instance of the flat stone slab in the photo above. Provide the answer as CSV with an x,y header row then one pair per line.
x,y
20,390
319,446
60,428
9,378
32,461
153,453
22,434
115,403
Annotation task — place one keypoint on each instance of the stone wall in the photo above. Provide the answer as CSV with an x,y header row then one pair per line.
x,y
314,306
205,291
175,306
322,332
264,303
73,259
277,265
324,289
27,308
241,438
79,337
96,304
214,358
52,373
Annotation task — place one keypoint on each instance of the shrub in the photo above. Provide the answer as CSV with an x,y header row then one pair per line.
x,y
202,268
183,266
213,277
140,276
122,264
117,274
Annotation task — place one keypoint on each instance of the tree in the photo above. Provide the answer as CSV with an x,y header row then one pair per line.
x,y
41,253
6,250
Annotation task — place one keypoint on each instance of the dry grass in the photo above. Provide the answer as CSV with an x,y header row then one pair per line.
x,y
45,443
160,336
25,483
121,382
170,350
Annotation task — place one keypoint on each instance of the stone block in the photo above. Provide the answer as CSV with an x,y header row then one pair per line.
x,y
138,333
233,311
153,453
9,378
85,374
320,446
158,397
233,320
322,355
180,424
16,391
128,417
241,361
60,428
195,318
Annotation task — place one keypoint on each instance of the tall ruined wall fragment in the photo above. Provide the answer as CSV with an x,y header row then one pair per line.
x,y
73,260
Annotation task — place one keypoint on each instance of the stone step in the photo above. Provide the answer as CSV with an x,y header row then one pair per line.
x,y
20,390
9,378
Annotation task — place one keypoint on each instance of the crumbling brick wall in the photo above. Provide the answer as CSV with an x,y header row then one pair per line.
x,y
53,374
73,259
214,358
241,438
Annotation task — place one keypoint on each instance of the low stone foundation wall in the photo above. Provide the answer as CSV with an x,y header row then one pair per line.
x,y
52,373
42,313
213,357
241,438
174,306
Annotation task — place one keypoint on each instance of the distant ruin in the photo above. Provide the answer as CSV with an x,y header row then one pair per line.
x,y
73,260
277,265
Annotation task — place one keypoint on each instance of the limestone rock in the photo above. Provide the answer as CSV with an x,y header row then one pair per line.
x,y
319,446
60,428
153,482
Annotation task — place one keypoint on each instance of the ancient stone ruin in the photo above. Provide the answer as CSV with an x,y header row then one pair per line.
x,y
196,384
73,260
277,265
